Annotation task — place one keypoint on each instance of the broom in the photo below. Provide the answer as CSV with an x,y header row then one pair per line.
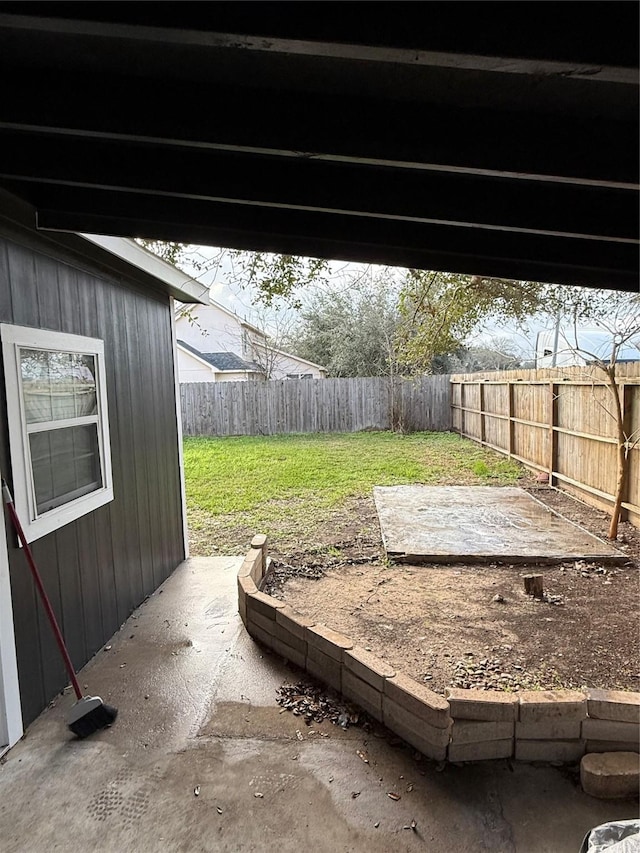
x,y
89,713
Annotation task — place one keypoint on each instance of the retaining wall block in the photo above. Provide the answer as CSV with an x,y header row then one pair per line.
x,y
609,746
329,642
290,653
550,730
419,700
428,740
245,569
484,751
477,731
246,586
612,776
294,622
614,705
482,704
266,605
549,750
368,667
262,636
324,667
611,730
362,693
263,622
254,559
538,705
288,638
260,543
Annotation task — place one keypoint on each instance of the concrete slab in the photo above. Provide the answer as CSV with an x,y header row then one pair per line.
x,y
198,712
480,524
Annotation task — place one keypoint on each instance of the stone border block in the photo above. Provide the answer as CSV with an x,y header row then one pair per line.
x,y
549,750
482,704
483,751
289,639
293,621
255,619
611,730
329,642
262,636
428,740
538,705
246,586
368,667
362,694
260,543
611,776
477,731
324,667
253,563
614,705
419,700
294,655
608,746
264,604
550,730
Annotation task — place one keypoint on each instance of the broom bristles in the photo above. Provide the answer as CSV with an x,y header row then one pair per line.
x,y
89,715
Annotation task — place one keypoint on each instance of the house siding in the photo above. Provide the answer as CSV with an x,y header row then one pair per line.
x,y
100,567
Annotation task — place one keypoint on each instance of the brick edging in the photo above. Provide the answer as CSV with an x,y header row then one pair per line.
x,y
466,725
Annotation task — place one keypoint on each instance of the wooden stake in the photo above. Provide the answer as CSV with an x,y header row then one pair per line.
x,y
533,585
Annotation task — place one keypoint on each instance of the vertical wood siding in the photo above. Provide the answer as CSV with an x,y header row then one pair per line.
x,y
315,405
100,567
556,420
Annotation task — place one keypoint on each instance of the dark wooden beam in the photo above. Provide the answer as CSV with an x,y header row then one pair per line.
x,y
322,186
468,250
331,127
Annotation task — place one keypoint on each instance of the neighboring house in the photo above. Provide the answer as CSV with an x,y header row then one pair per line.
x,y
90,445
206,333
195,366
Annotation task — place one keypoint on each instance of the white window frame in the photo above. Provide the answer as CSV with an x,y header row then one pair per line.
x,y
14,338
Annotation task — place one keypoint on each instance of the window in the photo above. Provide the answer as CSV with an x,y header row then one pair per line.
x,y
58,426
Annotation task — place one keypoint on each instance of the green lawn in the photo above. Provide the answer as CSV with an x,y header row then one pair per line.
x,y
290,485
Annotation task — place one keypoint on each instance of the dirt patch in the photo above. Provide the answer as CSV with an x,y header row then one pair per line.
x,y
473,625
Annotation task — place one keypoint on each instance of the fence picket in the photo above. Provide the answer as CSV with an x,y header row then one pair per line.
x,y
314,405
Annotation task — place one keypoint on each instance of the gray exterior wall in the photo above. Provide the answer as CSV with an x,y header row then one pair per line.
x,y
100,567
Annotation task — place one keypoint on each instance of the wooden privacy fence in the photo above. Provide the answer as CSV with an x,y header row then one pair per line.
x,y
315,405
559,421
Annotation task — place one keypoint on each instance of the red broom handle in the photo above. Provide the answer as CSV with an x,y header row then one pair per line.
x,y
43,594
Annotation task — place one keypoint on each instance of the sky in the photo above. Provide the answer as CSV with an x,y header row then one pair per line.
x,y
219,278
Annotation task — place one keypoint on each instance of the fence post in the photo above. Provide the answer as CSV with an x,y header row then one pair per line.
x,y
553,435
625,400
510,423
481,404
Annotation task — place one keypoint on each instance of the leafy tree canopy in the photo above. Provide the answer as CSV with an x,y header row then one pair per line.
x,y
351,331
440,310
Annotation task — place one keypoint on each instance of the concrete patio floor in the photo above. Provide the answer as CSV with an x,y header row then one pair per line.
x,y
480,524
197,711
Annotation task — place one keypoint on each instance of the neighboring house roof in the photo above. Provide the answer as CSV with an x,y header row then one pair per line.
x,y
223,360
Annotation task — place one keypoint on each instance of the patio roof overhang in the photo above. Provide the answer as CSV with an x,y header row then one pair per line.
x,y
497,139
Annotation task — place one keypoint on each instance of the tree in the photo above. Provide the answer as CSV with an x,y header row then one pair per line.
x,y
440,310
351,330
271,278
